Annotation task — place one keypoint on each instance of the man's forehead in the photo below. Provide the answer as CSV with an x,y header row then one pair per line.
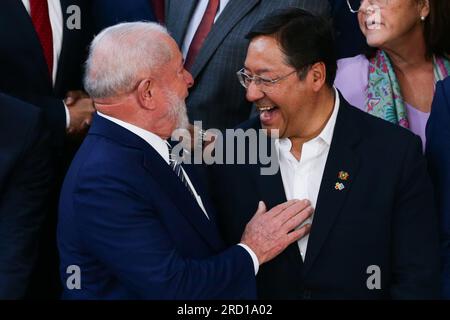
x,y
263,55
170,42
176,54
264,42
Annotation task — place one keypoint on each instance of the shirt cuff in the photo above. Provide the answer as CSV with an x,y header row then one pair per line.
x,y
67,116
253,255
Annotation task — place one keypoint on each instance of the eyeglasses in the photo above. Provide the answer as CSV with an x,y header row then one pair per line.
x,y
264,84
355,5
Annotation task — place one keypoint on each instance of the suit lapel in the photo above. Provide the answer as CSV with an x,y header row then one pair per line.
x,y
193,176
25,27
343,156
181,197
232,14
270,187
271,191
180,14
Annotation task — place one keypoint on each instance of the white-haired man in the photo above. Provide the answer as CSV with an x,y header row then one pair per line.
x,y
132,223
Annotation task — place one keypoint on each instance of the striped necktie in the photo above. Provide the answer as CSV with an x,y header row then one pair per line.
x,y
175,164
202,32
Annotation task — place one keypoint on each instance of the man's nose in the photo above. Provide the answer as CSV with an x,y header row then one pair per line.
x,y
254,93
188,78
366,7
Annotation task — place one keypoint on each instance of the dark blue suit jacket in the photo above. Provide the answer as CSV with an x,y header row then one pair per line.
x,y
136,232
383,217
107,13
25,180
438,153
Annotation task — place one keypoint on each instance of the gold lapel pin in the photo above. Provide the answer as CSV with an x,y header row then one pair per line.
x,y
343,175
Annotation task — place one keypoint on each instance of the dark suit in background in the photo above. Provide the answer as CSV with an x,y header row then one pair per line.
x,y
349,39
107,13
438,153
384,217
24,74
217,98
25,180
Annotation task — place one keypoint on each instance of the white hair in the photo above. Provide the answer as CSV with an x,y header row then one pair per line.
x,y
122,53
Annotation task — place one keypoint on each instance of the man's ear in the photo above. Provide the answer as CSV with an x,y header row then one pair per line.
x,y
145,93
318,74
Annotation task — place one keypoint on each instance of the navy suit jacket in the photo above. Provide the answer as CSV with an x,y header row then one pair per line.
x,y
25,180
107,13
24,72
136,232
438,153
383,217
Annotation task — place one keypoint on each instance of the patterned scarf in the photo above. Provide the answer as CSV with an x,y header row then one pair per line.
x,y
384,97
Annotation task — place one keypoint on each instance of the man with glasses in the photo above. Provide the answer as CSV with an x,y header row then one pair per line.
x,y
373,232
211,35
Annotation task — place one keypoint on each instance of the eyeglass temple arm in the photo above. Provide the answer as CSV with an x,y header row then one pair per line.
x,y
350,7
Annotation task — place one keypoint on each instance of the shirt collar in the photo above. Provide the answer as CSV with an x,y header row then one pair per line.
x,y
326,135
327,132
156,142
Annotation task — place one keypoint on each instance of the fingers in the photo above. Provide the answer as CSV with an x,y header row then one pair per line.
x,y
275,211
73,96
69,101
293,210
286,240
297,219
80,116
83,107
261,208
298,234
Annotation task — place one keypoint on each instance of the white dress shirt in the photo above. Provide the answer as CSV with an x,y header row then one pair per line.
x,y
162,148
302,179
56,21
195,22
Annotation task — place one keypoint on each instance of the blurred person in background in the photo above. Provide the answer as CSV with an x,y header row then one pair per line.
x,y
396,80
107,13
26,174
43,45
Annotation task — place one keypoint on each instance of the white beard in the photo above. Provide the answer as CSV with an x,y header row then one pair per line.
x,y
178,111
